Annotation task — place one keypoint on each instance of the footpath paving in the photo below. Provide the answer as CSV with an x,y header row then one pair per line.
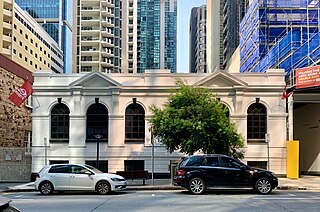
x,y
303,183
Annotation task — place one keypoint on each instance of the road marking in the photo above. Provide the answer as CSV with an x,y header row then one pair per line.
x,y
287,198
285,195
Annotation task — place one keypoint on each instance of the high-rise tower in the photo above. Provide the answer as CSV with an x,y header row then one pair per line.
x,y
223,21
55,16
197,40
115,36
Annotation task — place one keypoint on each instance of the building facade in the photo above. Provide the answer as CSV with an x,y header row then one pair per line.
x,y
71,109
125,36
15,124
55,17
223,21
25,42
197,40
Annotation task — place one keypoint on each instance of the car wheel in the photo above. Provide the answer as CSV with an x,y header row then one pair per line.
x,y
196,186
103,187
263,186
46,188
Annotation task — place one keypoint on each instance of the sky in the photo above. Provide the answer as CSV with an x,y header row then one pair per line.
x,y
184,10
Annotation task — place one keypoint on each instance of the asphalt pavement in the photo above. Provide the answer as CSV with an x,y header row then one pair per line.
x,y
305,182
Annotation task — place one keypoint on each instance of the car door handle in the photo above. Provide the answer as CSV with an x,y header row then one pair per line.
x,y
227,172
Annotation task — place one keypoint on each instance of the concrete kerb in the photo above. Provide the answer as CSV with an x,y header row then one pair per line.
x,y
307,183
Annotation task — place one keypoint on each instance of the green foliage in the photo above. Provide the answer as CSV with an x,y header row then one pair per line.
x,y
194,120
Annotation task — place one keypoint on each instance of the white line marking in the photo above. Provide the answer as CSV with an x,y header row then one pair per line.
x,y
13,200
287,198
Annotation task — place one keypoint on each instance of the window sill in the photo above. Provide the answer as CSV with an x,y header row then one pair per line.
x,y
56,140
95,140
256,141
134,141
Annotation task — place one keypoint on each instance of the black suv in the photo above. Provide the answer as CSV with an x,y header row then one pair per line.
x,y
201,172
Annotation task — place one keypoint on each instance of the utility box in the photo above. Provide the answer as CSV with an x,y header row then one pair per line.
x,y
293,159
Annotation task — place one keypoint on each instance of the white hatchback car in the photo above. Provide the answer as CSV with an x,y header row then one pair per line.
x,y
77,177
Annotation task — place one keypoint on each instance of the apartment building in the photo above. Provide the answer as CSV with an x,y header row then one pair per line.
x,y
24,41
197,40
55,17
114,36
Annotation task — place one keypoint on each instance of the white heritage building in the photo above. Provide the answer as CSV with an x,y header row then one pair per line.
x,y
69,110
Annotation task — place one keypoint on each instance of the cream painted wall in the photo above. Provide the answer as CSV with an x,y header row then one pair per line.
x,y
116,91
233,65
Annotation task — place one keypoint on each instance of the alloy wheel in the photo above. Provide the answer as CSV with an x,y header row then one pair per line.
x,y
196,186
103,187
263,186
46,188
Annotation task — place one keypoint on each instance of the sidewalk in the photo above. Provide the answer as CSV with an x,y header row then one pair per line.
x,y
303,183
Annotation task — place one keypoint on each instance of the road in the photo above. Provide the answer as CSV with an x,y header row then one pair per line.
x,y
157,201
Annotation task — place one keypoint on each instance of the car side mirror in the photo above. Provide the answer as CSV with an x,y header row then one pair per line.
x,y
88,173
243,168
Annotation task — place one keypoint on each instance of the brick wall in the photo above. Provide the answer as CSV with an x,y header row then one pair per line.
x,y
14,121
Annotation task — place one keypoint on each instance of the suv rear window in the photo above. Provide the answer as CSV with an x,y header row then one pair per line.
x,y
192,161
59,169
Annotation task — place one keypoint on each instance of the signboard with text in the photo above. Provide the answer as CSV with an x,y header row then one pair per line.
x,y
308,77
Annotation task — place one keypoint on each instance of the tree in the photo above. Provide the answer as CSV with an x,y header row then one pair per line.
x,y
193,119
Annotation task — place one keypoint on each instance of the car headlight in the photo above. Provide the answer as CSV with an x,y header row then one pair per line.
x,y
273,174
116,179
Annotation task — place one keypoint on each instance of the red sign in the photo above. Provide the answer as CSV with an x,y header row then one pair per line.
x,y
22,93
308,77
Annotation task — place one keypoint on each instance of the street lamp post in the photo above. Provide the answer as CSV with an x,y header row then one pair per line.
x,y
152,155
45,150
267,136
98,144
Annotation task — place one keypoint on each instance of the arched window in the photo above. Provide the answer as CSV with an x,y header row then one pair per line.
x,y
256,122
60,122
135,123
227,110
97,121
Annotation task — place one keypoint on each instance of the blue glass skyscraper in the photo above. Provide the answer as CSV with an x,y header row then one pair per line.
x,y
55,16
157,35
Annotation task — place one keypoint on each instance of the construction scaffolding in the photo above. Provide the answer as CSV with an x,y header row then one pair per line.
x,y
280,34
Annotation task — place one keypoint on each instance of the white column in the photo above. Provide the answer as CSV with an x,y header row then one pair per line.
x,y
290,117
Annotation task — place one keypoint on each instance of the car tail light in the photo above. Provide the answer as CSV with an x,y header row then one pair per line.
x,y
181,172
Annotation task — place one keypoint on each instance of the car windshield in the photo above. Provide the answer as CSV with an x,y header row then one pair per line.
x,y
192,161
97,171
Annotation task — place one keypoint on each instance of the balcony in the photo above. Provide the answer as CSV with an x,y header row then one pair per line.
x,y
8,2
6,52
107,63
90,31
7,12
107,13
90,9
107,3
106,32
107,42
107,52
107,23
90,51
7,26
7,38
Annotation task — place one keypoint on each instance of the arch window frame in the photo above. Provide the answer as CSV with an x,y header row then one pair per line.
x,y
60,122
257,122
97,122
135,123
